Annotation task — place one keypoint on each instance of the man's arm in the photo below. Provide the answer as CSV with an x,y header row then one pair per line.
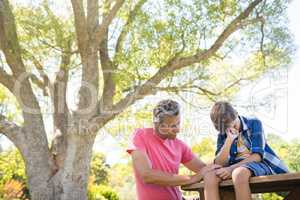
x,y
141,164
195,165
198,166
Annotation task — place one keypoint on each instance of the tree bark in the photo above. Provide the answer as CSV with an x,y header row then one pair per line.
x,y
66,182
71,179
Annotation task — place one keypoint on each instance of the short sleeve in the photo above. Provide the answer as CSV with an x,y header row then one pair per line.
x,y
137,142
187,154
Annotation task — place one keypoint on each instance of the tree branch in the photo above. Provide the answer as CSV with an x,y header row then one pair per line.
x,y
8,128
42,84
61,111
59,95
9,43
7,80
45,77
204,91
108,68
9,40
81,26
88,52
237,23
174,64
57,48
127,25
262,30
10,46
92,16
103,27
39,83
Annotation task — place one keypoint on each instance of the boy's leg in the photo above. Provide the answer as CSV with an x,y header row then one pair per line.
x,y
240,178
211,186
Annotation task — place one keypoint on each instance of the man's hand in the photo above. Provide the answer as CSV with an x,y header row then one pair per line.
x,y
195,178
209,168
224,173
199,176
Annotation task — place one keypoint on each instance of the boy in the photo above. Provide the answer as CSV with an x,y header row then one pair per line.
x,y
241,150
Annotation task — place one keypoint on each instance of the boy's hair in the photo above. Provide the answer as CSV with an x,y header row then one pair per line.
x,y
222,114
165,108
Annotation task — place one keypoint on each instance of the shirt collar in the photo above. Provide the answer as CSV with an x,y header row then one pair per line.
x,y
159,138
244,125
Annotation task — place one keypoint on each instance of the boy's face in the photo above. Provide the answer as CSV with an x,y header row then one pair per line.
x,y
234,127
169,128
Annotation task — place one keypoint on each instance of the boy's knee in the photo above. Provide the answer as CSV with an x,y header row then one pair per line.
x,y
211,179
241,176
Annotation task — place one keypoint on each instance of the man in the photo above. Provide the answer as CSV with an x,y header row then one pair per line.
x,y
157,154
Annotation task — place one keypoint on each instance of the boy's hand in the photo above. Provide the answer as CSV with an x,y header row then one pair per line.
x,y
199,176
209,168
224,173
231,134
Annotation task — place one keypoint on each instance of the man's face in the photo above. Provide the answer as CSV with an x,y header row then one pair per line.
x,y
169,128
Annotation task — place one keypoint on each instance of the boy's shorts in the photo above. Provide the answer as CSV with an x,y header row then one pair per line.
x,y
258,168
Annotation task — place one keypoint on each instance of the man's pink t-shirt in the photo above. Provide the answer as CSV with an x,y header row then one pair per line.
x,y
164,155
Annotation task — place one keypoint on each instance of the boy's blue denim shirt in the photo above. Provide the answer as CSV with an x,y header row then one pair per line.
x,y
254,139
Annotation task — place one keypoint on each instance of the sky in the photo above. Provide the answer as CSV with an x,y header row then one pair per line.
x,y
283,119
294,73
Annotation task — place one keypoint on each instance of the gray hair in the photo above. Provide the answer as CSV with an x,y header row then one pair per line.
x,y
165,108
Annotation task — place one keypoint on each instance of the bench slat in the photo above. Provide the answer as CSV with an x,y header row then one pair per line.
x,y
273,183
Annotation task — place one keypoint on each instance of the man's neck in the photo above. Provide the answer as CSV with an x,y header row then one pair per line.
x,y
156,132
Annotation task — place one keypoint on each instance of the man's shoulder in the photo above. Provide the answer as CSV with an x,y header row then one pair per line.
x,y
180,142
142,132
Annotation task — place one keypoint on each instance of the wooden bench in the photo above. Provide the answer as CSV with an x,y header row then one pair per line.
x,y
275,183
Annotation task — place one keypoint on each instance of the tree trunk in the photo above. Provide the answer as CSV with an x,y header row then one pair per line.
x,y
39,165
70,181
73,177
